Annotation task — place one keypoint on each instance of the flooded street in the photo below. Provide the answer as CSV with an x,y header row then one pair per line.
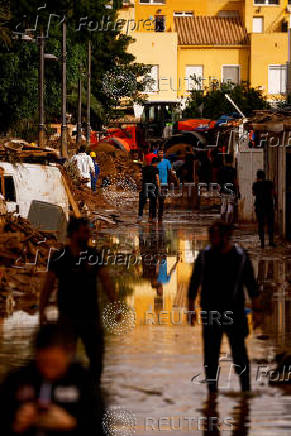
x,y
154,364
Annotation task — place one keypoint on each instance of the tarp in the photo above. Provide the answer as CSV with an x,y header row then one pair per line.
x,y
196,124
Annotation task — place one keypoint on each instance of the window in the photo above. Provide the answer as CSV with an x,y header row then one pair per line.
x,y
228,14
230,73
9,189
194,75
183,14
266,2
277,78
258,24
160,23
154,75
152,2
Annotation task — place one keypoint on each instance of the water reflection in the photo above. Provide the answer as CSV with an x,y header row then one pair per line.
x,y
149,370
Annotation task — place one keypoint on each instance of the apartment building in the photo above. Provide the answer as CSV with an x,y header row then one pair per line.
x,y
210,40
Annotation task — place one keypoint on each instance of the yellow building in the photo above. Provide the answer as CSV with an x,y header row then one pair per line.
x,y
211,40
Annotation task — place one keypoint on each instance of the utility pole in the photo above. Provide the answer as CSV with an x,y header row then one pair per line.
x,y
79,120
41,91
64,145
88,127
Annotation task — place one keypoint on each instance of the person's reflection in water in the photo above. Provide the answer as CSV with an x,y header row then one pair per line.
x,y
153,251
215,425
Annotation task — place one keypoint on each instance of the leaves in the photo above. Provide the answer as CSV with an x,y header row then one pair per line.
x,y
215,104
19,61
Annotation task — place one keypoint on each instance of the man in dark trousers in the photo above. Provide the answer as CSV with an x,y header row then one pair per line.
x,y
263,190
77,267
53,394
149,190
222,270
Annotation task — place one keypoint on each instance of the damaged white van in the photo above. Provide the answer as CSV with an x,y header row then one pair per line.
x,y
36,192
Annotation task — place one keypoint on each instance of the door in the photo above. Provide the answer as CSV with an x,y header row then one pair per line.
x,y
194,75
10,194
258,24
231,73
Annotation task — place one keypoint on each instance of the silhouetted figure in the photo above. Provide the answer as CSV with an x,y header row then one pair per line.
x,y
149,190
263,190
222,270
77,267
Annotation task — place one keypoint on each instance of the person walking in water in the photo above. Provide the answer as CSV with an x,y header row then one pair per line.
x,y
149,190
222,270
77,267
264,192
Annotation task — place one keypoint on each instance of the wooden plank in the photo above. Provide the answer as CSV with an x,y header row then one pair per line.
x,y
72,201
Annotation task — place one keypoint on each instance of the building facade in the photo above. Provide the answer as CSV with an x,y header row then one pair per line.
x,y
193,43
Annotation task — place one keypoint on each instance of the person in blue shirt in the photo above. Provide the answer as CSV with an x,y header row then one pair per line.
x,y
163,276
164,166
94,178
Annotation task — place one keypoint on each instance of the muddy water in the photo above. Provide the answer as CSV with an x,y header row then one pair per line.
x,y
153,371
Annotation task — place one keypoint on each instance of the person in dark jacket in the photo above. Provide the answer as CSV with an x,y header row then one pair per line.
x,y
52,395
76,268
264,192
149,190
222,270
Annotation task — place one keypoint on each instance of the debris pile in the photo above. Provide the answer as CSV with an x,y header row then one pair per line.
x,y
17,150
270,120
117,164
117,187
24,256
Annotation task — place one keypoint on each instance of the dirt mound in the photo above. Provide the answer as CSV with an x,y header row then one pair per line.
x,y
177,147
24,256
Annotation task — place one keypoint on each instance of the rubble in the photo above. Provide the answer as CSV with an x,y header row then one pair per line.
x,y
24,255
119,178
18,150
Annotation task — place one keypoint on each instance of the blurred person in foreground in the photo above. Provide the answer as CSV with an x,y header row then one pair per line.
x,y
222,270
52,395
76,268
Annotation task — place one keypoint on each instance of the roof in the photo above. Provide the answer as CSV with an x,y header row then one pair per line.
x,y
210,30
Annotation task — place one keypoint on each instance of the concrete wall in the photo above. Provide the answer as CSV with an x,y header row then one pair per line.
x,y
249,162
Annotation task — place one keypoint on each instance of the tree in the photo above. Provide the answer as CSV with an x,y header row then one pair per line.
x,y
86,19
4,21
213,103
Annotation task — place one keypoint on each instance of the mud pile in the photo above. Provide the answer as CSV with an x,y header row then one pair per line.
x,y
117,188
117,164
24,256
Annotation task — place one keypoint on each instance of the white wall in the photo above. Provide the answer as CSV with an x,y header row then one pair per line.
x,y
249,162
